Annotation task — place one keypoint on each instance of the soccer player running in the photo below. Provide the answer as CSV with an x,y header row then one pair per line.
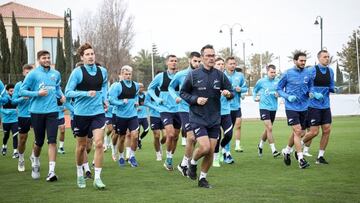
x,y
226,125
294,86
319,113
124,95
24,121
238,83
9,121
155,123
43,86
183,109
265,93
88,86
168,108
142,114
202,90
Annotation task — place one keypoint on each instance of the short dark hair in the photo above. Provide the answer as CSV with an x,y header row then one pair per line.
x,y
270,66
194,54
298,54
208,46
219,59
170,56
229,58
321,51
42,53
27,67
10,86
84,47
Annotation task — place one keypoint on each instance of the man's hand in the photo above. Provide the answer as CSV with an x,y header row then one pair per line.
x,y
291,98
178,100
92,93
238,89
201,100
257,99
226,93
125,101
43,92
63,99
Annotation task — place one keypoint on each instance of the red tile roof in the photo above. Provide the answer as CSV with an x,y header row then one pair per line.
x,y
22,11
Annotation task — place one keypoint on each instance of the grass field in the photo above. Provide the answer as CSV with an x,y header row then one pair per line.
x,y
250,179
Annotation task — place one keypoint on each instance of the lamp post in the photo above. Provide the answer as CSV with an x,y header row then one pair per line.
x,y
321,29
244,55
68,20
231,34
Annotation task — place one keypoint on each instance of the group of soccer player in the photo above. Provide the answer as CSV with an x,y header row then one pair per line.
x,y
203,101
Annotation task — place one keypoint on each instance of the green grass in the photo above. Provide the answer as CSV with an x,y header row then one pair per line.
x,y
250,179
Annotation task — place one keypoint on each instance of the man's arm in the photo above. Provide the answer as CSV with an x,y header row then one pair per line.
x,y
186,89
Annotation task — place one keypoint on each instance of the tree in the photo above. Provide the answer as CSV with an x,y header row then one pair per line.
x,y
110,31
24,53
68,49
348,59
4,51
225,53
339,76
76,45
60,63
258,62
17,51
142,67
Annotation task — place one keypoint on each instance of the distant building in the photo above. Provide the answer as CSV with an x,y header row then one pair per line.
x,y
39,28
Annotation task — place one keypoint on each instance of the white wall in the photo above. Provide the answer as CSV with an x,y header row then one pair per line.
x,y
341,105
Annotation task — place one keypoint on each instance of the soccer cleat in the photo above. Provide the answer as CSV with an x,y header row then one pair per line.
x,y
260,151
61,150
132,161
35,172
105,147
183,141
88,175
287,159
15,155
204,183
182,169
21,166
321,160
216,162
303,164
192,171
239,149
229,159
98,184
222,156
81,182
3,151
51,177
158,157
296,156
168,164
122,162
307,154
276,154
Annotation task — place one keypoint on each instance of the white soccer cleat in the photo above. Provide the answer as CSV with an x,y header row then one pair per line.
x,y
158,157
21,166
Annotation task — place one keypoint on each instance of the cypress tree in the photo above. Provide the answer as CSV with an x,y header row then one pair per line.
x,y
16,49
60,61
4,51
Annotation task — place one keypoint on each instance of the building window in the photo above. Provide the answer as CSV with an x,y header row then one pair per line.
x,y
29,41
50,44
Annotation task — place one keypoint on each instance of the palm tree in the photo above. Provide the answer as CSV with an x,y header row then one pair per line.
x,y
291,57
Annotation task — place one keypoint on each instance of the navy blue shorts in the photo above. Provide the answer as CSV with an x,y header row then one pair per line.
x,y
235,114
317,117
297,117
45,122
84,125
123,124
212,132
185,123
156,124
171,119
144,123
61,121
108,121
24,125
267,115
13,127
113,121
72,125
